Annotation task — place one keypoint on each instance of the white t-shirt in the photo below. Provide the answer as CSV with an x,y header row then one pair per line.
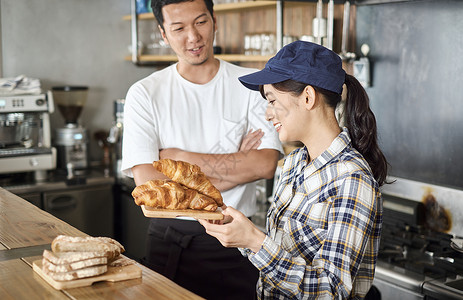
x,y
164,110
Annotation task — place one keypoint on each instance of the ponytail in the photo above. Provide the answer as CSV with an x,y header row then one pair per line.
x,y
361,123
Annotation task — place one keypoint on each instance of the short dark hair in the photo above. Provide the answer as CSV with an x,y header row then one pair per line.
x,y
157,6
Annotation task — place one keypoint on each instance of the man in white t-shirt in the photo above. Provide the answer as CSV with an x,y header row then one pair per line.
x,y
198,111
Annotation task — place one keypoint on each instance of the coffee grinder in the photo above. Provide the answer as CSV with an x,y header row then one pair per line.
x,y
72,140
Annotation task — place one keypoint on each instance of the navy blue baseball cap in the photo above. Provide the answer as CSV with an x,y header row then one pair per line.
x,y
303,62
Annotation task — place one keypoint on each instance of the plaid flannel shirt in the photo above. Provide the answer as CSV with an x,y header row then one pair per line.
x,y
323,227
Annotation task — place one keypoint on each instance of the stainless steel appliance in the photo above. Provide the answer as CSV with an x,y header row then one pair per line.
x,y
115,135
415,262
88,208
25,141
72,140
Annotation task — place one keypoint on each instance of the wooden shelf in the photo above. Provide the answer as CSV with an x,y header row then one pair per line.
x,y
224,7
143,16
226,57
240,18
243,57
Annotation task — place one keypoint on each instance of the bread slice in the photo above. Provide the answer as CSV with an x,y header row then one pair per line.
x,y
111,248
76,274
122,261
66,267
61,258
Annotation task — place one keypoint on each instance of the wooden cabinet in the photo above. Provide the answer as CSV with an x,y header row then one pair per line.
x,y
235,20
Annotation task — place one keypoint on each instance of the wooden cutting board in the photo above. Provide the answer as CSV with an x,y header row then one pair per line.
x,y
151,212
113,274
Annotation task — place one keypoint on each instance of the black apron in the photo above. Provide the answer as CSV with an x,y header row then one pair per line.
x,y
182,251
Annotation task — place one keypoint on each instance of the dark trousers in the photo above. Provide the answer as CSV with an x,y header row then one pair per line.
x,y
182,251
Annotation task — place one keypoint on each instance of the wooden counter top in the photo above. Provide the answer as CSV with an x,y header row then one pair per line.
x,y
23,226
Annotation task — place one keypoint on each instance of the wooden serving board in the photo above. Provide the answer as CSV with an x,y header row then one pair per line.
x,y
113,274
152,212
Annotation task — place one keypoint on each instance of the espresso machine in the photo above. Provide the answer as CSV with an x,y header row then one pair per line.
x,y
72,139
25,139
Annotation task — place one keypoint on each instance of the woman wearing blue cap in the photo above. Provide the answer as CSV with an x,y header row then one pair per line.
x,y
324,223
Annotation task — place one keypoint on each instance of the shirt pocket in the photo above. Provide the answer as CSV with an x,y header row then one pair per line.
x,y
233,130
302,239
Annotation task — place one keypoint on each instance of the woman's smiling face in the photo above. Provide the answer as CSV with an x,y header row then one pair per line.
x,y
284,111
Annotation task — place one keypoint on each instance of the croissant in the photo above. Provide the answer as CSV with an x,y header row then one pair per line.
x,y
171,195
189,175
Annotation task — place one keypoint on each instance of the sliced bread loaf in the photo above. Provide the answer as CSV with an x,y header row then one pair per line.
x,y
60,258
76,274
76,265
111,248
